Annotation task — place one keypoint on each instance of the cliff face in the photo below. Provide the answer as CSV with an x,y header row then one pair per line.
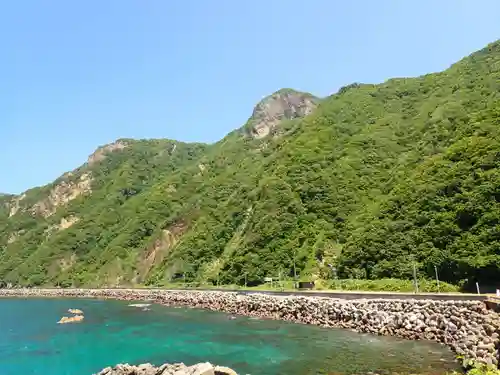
x,y
62,194
59,195
285,104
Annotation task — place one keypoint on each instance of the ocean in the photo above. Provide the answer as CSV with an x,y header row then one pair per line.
x,y
31,342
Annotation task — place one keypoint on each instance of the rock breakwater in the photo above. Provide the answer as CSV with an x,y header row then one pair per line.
x,y
467,327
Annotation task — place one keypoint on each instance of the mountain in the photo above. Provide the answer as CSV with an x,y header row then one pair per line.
x,y
374,180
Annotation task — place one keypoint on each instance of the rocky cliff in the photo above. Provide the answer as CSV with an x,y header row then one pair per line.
x,y
285,104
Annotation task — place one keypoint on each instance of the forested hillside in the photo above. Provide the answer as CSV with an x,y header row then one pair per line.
x,y
372,180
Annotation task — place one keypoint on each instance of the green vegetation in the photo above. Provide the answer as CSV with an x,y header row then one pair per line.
x,y
391,285
483,370
473,368
382,285
377,180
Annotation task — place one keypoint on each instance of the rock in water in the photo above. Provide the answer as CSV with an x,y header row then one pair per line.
x,y
71,319
221,370
202,369
205,368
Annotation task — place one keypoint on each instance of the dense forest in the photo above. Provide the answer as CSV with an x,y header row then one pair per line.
x,y
372,181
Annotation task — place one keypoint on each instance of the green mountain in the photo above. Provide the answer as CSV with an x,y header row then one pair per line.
x,y
372,180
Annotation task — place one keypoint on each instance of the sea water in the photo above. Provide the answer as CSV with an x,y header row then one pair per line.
x,y
31,342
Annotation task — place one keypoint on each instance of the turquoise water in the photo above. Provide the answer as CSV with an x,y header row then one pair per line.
x,y
32,343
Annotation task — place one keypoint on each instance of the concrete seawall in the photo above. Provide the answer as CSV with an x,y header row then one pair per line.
x,y
467,327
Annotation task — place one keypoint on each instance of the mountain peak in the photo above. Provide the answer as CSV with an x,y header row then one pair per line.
x,y
100,154
284,104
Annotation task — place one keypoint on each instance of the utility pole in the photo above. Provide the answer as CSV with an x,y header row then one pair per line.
x,y
335,276
245,279
294,269
437,277
477,287
415,277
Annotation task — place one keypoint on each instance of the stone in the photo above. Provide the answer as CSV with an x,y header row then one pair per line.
x,y
452,327
201,369
71,319
221,370
166,369
105,371
489,328
487,347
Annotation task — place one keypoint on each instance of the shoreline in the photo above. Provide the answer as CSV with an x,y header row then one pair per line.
x,y
333,293
468,328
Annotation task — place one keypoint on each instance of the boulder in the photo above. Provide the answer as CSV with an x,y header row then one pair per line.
x,y
221,370
71,319
201,369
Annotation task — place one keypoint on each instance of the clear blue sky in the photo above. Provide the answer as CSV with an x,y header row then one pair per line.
x,y
78,74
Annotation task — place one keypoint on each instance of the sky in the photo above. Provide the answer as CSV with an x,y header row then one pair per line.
x,y
75,75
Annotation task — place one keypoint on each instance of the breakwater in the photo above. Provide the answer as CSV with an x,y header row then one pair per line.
x,y
467,327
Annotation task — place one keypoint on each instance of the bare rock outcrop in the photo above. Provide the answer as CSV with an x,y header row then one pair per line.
x,y
15,204
63,193
101,152
14,236
160,248
65,223
284,104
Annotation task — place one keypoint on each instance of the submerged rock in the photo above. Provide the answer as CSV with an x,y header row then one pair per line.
x,y
140,305
75,311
